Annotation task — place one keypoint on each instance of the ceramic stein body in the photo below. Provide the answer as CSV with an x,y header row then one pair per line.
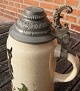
x,y
32,49
31,65
34,66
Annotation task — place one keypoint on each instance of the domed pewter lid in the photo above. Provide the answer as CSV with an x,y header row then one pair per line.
x,y
33,27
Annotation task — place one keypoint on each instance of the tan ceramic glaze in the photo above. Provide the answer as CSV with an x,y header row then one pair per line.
x,y
34,65
31,65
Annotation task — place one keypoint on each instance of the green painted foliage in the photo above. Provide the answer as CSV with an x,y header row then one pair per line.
x,y
24,88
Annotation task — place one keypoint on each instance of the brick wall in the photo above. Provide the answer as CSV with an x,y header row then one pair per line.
x,y
13,9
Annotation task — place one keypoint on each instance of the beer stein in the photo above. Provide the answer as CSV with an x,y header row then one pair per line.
x,y
33,48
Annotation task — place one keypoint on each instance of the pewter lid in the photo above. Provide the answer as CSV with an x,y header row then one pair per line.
x,y
32,27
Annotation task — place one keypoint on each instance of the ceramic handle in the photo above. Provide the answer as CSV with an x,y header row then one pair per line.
x,y
69,76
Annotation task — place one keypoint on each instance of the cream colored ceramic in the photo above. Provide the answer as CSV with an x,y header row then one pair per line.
x,y
34,65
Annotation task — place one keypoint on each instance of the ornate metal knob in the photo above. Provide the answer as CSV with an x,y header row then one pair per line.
x,y
33,13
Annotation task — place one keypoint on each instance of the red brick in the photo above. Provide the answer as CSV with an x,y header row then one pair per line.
x,y
6,11
30,2
6,2
11,4
15,19
49,0
12,8
1,1
23,6
48,6
1,13
16,0
79,21
63,22
72,2
75,27
51,19
62,16
76,12
0,5
13,13
21,1
2,10
18,15
20,11
3,6
49,13
17,5
8,16
59,1
70,18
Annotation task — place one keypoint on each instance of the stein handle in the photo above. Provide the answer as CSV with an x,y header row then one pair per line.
x,y
69,76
